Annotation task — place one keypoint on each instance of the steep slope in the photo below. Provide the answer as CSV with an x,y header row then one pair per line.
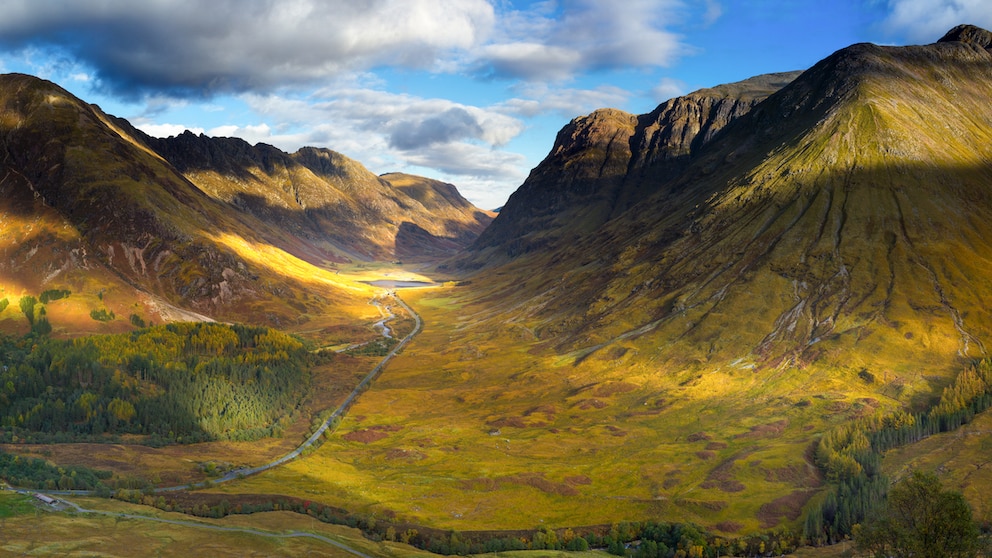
x,y
212,225
822,258
603,163
92,209
850,209
332,201
454,224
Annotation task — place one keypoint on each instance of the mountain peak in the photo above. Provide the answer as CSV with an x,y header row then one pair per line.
x,y
969,34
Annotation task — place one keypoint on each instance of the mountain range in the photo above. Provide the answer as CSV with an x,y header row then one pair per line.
x,y
661,322
189,223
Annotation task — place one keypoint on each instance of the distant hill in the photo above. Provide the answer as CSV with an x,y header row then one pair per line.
x,y
332,201
191,224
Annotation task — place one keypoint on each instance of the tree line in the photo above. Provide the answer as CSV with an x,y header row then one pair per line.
x,y
850,454
182,382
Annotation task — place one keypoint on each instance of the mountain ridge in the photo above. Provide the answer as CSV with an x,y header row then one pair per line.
x,y
215,226
727,215
821,262
598,166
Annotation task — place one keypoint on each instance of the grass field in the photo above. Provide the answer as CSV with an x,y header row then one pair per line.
x,y
962,459
473,428
30,530
487,428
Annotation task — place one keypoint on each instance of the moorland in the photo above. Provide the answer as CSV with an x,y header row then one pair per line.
x,y
723,327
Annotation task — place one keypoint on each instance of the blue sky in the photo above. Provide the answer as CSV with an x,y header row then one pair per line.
x,y
471,92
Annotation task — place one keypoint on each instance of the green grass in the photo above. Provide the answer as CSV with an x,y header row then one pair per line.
x,y
13,505
50,533
962,459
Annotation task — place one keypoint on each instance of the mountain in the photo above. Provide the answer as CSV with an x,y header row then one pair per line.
x,y
604,163
212,226
674,308
327,198
450,222
847,211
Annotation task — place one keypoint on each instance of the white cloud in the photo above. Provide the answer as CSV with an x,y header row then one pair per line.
x,y
928,20
166,130
532,61
536,99
713,12
188,47
668,88
542,44
389,131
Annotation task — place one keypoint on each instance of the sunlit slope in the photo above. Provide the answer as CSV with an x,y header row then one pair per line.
x,y
843,222
962,459
333,204
822,258
86,199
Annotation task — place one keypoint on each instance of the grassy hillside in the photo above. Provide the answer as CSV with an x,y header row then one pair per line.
x,y
31,529
820,260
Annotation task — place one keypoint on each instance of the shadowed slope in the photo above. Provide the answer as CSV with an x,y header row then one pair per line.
x,y
605,162
852,202
822,258
123,209
454,224
332,201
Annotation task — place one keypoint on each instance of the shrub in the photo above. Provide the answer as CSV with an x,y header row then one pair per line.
x,y
102,315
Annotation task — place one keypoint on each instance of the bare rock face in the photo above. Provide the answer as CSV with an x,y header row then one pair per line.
x,y
969,34
604,163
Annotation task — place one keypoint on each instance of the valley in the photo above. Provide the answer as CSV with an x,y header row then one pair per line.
x,y
725,326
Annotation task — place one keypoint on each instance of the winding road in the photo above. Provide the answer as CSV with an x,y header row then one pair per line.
x,y
337,414
244,472
327,424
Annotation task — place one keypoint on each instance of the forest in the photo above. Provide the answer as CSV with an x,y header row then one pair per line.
x,y
181,382
850,455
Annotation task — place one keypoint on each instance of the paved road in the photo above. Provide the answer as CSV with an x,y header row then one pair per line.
x,y
338,413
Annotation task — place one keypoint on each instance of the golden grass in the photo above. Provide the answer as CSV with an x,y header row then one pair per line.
x,y
180,464
485,430
46,533
962,459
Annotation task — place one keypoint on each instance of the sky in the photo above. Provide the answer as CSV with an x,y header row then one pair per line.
x,y
471,92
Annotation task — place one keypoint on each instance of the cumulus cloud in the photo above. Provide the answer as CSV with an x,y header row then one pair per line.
x,y
188,47
191,48
536,99
451,125
668,88
464,159
382,128
928,20
546,44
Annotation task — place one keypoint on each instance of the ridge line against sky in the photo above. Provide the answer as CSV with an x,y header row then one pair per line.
x,y
471,92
